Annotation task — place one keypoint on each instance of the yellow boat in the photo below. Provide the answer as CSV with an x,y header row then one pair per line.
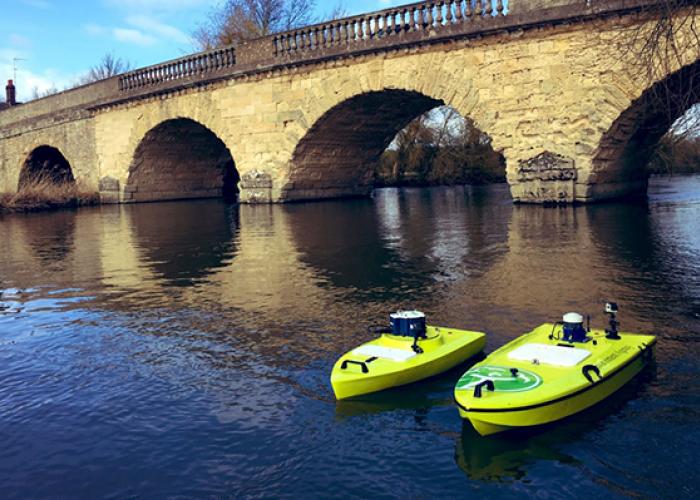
x,y
398,358
549,374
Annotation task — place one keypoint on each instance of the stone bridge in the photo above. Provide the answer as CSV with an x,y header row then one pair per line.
x,y
306,114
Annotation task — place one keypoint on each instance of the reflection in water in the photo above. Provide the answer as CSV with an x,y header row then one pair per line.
x,y
51,236
342,242
184,242
193,341
400,245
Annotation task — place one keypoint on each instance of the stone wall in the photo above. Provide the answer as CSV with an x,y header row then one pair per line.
x,y
75,140
525,6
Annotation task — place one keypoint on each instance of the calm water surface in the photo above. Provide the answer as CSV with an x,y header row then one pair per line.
x,y
184,349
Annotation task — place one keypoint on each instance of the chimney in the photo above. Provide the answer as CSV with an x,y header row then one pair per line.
x,y
10,94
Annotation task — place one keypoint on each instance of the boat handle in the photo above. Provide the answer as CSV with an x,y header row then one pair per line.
x,y
485,383
586,370
360,363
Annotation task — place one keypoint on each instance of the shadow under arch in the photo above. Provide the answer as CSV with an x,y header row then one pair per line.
x,y
181,159
45,163
628,145
335,157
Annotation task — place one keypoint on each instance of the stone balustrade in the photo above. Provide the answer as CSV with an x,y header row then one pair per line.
x,y
201,64
423,16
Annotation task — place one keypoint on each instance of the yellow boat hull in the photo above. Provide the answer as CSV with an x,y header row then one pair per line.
x,y
540,393
356,373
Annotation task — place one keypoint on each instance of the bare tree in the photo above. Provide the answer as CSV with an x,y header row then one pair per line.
x,y
660,50
441,147
39,94
107,67
239,20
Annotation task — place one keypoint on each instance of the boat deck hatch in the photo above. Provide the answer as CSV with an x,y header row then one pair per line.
x,y
384,352
549,354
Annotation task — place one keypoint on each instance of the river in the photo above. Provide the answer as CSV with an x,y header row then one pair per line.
x,y
184,349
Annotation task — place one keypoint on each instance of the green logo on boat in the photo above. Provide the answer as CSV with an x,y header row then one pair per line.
x,y
503,379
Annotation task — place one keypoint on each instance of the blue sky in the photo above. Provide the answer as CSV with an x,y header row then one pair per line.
x,y
60,39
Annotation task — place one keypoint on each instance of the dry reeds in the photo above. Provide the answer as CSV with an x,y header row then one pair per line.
x,y
44,193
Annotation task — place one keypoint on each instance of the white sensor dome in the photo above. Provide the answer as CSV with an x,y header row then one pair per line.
x,y
573,318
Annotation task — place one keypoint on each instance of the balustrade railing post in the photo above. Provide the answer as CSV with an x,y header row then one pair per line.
x,y
489,8
499,8
438,17
429,20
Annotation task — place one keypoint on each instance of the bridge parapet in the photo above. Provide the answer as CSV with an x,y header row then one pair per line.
x,y
394,22
203,64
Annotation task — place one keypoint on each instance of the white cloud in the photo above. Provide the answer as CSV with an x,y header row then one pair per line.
x,y
157,29
48,80
141,30
128,35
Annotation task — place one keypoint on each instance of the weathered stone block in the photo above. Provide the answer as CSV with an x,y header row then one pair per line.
x,y
546,178
547,166
109,184
256,180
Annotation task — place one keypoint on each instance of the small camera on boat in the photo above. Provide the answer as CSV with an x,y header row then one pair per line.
x,y
611,332
611,308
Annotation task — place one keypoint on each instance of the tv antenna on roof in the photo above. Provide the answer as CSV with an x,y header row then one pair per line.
x,y
14,67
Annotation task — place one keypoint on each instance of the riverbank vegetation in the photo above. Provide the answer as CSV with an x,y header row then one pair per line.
x,y
676,155
44,193
440,148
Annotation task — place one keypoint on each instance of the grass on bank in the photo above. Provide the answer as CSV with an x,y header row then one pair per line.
x,y
44,193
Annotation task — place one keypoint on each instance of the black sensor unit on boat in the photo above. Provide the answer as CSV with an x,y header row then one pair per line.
x,y
408,324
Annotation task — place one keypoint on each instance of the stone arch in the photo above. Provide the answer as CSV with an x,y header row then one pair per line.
x,y
181,159
435,78
334,158
45,163
625,148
